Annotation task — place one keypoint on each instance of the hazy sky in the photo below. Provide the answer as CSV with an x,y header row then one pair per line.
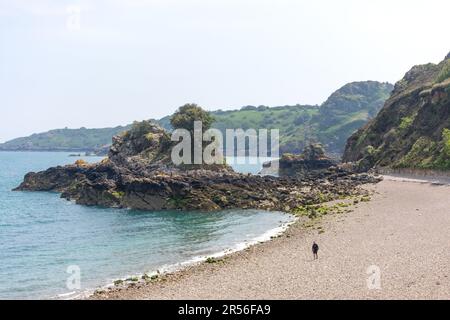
x,y
122,60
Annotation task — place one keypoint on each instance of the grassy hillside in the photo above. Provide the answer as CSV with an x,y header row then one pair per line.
x,y
292,121
413,128
64,140
331,124
346,110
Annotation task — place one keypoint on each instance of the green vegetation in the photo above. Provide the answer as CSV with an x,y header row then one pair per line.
x,y
444,74
148,278
446,141
139,129
186,115
118,282
292,121
213,260
406,122
413,128
185,118
118,194
419,156
428,154
133,279
331,124
65,140
443,159
316,211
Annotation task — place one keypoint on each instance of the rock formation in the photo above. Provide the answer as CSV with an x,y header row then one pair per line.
x,y
413,128
139,174
312,161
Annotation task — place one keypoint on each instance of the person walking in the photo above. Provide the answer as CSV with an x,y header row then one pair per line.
x,y
315,250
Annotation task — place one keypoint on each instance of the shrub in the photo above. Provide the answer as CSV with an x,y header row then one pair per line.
x,y
370,150
406,122
446,140
186,115
444,74
140,128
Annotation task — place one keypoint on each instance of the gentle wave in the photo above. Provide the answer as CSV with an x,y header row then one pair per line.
x,y
266,236
42,235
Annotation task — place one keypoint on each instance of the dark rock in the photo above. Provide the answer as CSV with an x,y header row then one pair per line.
x,y
138,174
312,159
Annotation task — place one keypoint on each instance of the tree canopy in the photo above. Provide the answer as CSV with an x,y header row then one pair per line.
x,y
185,116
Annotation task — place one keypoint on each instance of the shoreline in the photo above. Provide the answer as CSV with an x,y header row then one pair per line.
x,y
431,179
165,270
399,231
179,269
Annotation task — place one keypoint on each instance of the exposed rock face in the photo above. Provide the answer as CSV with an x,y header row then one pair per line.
x,y
311,161
138,174
413,128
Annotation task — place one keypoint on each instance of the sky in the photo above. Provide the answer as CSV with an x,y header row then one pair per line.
x,y
102,63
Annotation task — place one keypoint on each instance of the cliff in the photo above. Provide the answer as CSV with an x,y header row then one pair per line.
x,y
412,130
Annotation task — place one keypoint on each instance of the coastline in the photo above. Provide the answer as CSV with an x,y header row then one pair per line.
x,y
401,231
180,269
431,179
167,270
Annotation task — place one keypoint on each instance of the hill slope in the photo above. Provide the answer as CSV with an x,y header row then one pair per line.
x,y
348,109
331,124
64,140
413,128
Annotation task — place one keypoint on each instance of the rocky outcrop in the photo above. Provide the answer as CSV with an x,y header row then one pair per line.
x,y
413,128
138,174
311,162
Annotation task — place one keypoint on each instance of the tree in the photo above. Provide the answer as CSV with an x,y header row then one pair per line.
x,y
185,116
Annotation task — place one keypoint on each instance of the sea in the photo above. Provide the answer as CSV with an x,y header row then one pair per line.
x,y
51,248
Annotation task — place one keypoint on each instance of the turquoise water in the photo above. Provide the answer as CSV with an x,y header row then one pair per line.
x,y
42,235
